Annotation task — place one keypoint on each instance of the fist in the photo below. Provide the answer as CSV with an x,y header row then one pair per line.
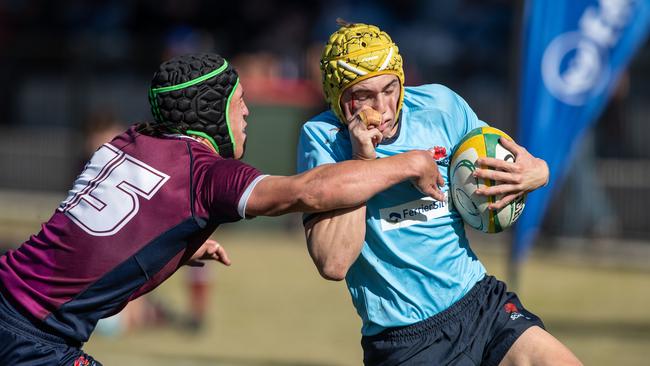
x,y
370,117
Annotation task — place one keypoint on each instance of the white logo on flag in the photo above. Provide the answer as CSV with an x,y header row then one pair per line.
x,y
575,65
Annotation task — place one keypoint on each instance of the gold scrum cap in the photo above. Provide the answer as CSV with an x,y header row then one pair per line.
x,y
354,53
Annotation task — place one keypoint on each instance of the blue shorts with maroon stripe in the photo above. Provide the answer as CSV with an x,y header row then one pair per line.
x,y
477,330
23,344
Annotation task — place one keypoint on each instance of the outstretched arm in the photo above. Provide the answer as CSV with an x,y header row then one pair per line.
x,y
346,184
525,174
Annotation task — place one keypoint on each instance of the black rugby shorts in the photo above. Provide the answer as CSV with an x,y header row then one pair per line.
x,y
478,329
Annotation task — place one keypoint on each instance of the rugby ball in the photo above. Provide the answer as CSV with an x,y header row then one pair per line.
x,y
480,142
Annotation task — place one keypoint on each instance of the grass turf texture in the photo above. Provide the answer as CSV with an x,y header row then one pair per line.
x,y
271,308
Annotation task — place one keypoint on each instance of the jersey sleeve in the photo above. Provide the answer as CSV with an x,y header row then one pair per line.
x,y
452,110
226,186
466,116
313,149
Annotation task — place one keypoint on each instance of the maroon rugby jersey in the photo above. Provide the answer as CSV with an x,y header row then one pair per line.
x,y
141,207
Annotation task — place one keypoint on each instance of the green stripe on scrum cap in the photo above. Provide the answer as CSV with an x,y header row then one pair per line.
x,y
157,115
205,136
201,78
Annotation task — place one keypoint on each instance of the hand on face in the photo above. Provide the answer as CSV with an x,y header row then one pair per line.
x,y
516,178
364,134
379,93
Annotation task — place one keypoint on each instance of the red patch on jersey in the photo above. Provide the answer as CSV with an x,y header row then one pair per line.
x,y
510,308
81,361
439,152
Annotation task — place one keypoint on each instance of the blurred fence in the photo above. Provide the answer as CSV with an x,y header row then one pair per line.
x,y
38,158
41,140
615,205
628,188
42,162
612,202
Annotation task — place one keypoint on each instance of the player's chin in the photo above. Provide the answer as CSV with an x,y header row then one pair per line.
x,y
243,148
386,129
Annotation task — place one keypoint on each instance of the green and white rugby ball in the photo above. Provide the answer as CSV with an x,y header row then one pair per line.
x,y
480,142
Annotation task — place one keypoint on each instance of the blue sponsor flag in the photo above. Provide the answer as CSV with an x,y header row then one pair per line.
x,y
573,53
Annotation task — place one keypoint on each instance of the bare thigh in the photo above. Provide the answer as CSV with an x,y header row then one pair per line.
x,y
537,347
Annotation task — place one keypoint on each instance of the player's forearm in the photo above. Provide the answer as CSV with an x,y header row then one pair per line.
x,y
353,182
335,239
332,186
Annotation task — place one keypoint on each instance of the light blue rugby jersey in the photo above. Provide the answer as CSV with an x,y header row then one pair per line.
x,y
416,260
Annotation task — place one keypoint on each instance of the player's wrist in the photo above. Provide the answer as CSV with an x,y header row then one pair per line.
x,y
363,153
362,156
547,173
419,162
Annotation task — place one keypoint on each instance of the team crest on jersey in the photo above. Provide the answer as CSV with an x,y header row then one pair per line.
x,y
512,309
83,361
440,155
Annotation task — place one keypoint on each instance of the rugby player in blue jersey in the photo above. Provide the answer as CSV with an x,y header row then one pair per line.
x,y
423,296
146,203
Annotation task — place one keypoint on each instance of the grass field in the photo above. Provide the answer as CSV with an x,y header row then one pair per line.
x,y
272,308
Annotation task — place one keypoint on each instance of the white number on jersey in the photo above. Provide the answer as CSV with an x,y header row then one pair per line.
x,y
104,197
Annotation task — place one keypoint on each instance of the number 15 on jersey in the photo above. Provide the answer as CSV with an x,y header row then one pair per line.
x,y
106,195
